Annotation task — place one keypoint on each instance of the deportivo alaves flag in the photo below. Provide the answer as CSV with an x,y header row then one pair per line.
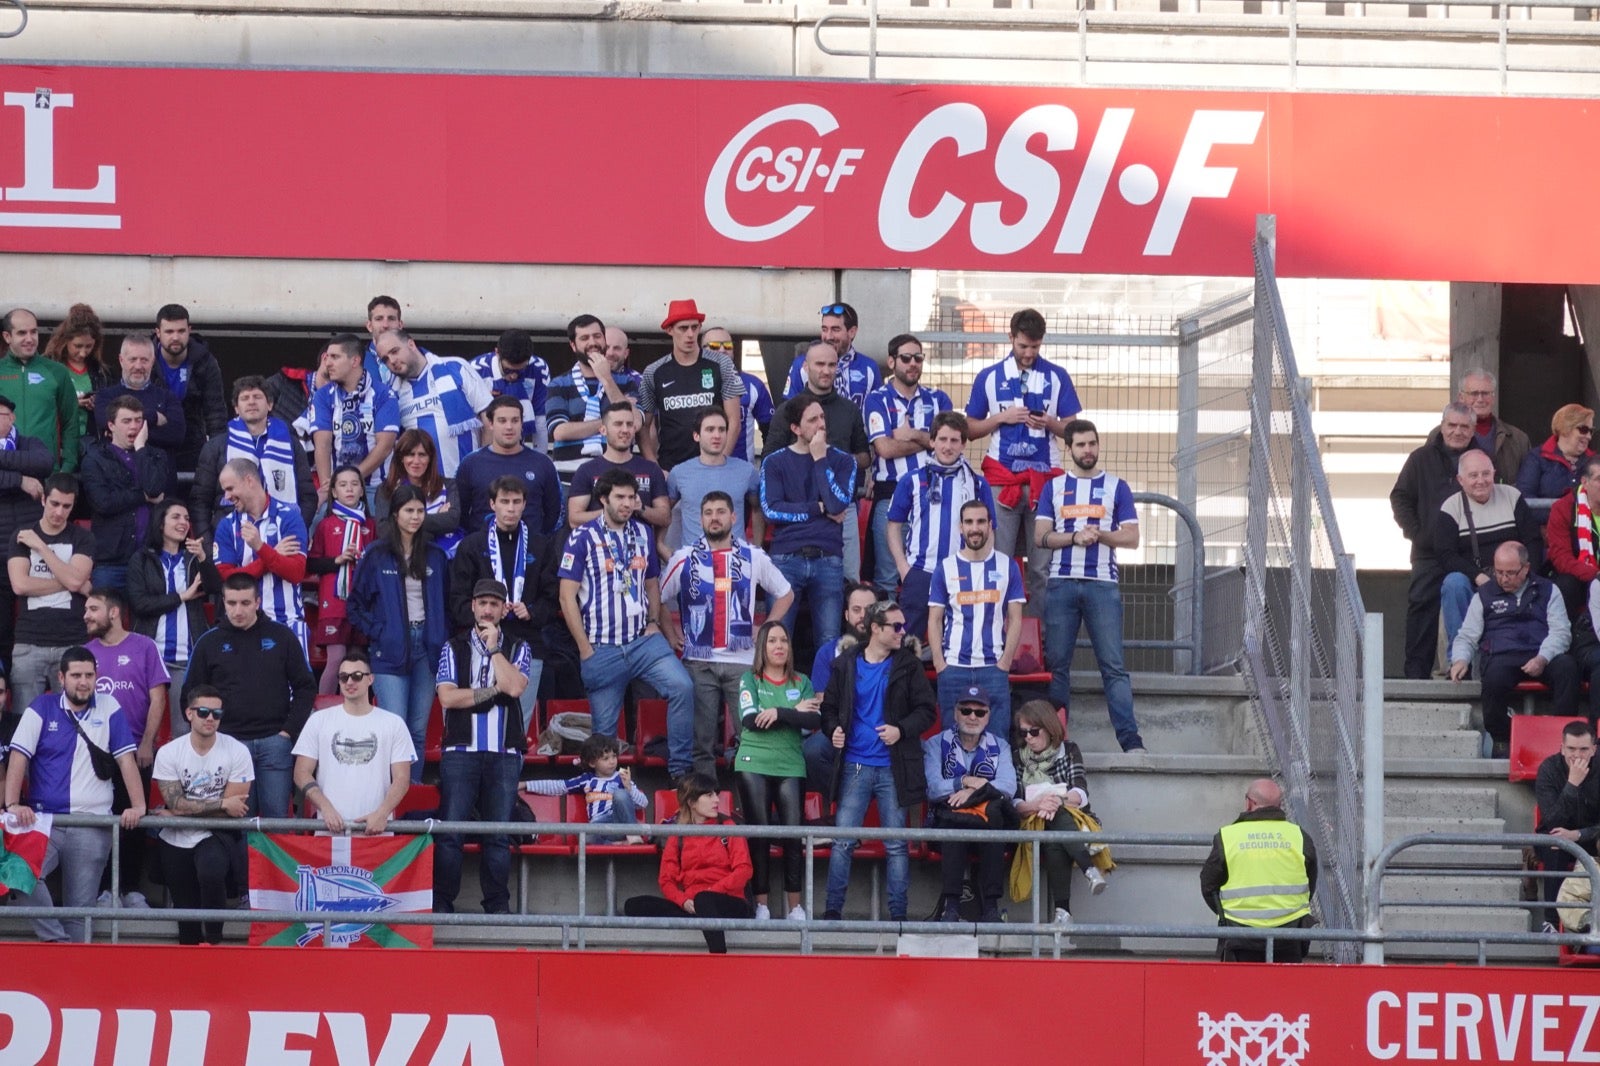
x,y
355,879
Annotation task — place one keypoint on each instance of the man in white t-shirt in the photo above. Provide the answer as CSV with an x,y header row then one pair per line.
x,y
355,759
202,774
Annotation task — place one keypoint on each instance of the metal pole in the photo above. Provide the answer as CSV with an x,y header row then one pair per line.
x,y
1301,595
1372,777
872,40
1259,485
1188,489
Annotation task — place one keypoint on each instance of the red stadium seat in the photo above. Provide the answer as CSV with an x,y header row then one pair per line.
x,y
665,803
433,735
545,809
578,811
652,725
1533,739
1030,649
418,798
321,702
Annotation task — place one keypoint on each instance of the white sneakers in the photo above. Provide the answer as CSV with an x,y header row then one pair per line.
x,y
798,914
130,900
762,912
1096,879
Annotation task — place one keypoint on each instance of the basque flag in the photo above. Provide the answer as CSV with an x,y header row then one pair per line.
x,y
22,853
355,879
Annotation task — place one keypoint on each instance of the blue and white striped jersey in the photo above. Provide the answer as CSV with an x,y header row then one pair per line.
x,y
974,595
532,388
280,598
611,567
886,411
1046,388
444,402
1073,503
928,504
61,778
488,727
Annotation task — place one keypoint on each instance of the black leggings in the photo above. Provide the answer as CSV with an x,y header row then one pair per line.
x,y
706,905
759,794
198,877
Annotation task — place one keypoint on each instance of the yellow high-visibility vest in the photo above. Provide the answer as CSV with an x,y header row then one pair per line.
x,y
1266,883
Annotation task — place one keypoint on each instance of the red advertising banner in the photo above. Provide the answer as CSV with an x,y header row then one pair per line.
x,y
136,1006
462,168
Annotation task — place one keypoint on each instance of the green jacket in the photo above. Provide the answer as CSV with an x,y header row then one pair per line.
x,y
47,404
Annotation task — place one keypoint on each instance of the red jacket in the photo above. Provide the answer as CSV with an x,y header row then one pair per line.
x,y
1561,542
692,865
326,544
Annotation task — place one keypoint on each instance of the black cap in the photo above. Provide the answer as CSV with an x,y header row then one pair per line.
x,y
8,403
489,587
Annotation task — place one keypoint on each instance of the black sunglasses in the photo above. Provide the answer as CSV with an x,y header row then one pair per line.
x,y
972,712
1033,732
207,712
354,675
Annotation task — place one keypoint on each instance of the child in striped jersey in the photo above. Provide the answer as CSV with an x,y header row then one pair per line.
x,y
608,792
340,539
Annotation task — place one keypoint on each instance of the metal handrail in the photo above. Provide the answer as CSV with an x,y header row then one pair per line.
x,y
1195,645
1037,930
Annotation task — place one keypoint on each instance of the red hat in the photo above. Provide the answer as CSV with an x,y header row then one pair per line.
x,y
679,311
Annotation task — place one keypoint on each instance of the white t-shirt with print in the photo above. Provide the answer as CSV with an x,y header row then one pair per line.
x,y
201,777
354,753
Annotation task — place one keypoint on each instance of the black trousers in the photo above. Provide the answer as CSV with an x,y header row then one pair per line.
x,y
706,905
759,796
198,877
1502,673
953,860
1422,617
1256,950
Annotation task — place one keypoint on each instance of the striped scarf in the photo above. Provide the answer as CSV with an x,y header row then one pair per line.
x,y
985,759
353,541
519,560
273,452
172,629
1583,520
717,605
8,443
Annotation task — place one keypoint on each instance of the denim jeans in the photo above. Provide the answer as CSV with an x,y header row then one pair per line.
x,y
475,786
995,684
860,785
820,582
530,695
1455,596
81,852
274,765
650,659
410,696
623,812
884,574
109,576
1070,603
177,721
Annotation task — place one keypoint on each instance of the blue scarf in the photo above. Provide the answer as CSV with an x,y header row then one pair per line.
x,y
355,523
8,443
349,422
985,759
273,452
700,599
519,561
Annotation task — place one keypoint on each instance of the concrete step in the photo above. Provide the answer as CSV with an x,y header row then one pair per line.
x,y
1441,801
1417,716
1459,744
1454,919
1409,888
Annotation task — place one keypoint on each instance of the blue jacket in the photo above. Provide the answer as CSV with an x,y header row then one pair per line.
x,y
1546,474
377,607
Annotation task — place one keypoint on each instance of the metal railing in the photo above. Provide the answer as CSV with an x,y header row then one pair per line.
x,y
1040,931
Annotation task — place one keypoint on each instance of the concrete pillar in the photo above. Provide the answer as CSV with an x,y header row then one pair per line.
x,y
883,300
1585,302
1474,330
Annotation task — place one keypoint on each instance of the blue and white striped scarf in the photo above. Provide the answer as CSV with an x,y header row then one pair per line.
x,y
985,759
273,452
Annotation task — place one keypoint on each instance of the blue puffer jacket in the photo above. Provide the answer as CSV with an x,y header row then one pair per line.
x,y
377,607
1546,474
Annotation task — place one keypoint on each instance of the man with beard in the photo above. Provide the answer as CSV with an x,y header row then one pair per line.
x,y
975,621
194,379
597,380
858,597
1085,515
899,423
714,583
857,375
924,527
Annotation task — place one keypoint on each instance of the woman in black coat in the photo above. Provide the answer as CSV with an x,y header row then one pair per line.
x,y
169,581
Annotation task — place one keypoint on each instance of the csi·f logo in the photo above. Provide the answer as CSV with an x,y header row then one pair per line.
x,y
38,147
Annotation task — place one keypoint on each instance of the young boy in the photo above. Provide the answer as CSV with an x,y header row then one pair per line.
x,y
609,793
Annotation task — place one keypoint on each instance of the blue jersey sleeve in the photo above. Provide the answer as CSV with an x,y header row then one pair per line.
x,y
1067,402
938,592
978,399
880,422
900,504
575,556
1122,510
322,409
385,411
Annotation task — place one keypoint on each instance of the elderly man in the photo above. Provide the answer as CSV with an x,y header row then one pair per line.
x,y
1504,443
1427,477
1261,874
163,412
969,770
1520,625
1469,527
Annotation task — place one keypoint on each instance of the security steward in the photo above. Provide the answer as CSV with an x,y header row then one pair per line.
x,y
1261,873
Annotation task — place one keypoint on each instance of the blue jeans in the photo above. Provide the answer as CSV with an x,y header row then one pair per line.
x,y
410,695
484,782
820,582
81,853
650,659
1454,598
623,812
860,785
995,684
274,765
913,600
1070,602
884,574
109,576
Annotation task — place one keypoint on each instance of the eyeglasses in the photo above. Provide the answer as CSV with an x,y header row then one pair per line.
x,y
1478,394
354,675
207,712
972,712
719,346
1509,573
911,357
832,309
1035,731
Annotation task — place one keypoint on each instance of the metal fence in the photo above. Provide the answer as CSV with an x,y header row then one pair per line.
x,y
1302,624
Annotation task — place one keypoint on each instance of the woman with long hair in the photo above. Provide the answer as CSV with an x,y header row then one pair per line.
x,y
416,463
1051,784
169,580
700,876
398,600
775,703
79,345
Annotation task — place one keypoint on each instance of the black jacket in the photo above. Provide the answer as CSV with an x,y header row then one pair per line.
x,y
149,598
908,703
266,684
30,458
1426,480
1563,807
539,587
115,497
205,411
205,499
